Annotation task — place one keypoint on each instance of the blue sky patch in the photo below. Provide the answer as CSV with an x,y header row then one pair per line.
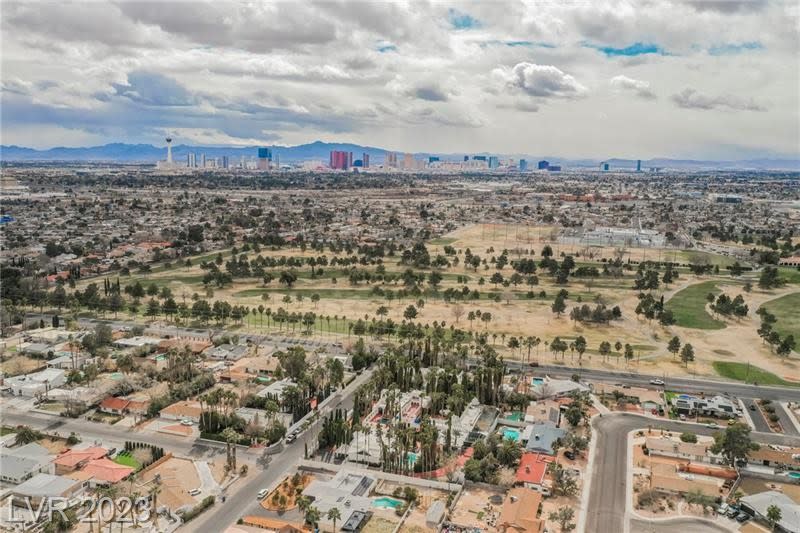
x,y
734,48
636,49
462,21
383,48
515,44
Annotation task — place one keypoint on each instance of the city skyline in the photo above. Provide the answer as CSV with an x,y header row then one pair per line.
x,y
699,80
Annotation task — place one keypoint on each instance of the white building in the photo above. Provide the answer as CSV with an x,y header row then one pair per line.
x,y
36,383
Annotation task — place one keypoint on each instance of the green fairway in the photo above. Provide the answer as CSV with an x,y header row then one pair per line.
x,y
442,241
787,310
689,306
750,374
712,259
791,275
342,294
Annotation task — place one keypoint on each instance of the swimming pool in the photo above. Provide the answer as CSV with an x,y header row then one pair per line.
x,y
794,475
411,457
537,381
384,502
510,433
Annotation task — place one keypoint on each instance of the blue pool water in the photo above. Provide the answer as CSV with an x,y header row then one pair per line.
x,y
794,475
510,433
411,457
384,502
537,381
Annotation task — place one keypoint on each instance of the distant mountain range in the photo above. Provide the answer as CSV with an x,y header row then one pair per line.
x,y
318,150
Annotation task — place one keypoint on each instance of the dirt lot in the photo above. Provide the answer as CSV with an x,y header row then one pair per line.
x,y
178,477
475,507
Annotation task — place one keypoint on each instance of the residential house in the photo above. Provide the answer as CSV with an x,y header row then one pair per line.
x,y
227,352
541,437
36,383
136,342
114,406
520,512
104,471
757,505
717,406
674,447
547,410
36,349
71,460
182,409
46,486
532,472
776,456
275,389
667,477
20,464
548,387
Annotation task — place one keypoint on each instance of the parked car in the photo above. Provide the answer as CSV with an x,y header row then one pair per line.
x,y
290,438
752,407
713,425
534,363
723,508
742,518
186,422
658,382
683,417
732,511
569,454
195,492
262,494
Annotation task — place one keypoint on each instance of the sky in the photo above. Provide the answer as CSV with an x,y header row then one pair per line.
x,y
704,79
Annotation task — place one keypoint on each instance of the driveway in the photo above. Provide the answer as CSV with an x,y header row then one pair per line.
x,y
759,422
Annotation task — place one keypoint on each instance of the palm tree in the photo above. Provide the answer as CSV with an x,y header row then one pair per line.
x,y
334,515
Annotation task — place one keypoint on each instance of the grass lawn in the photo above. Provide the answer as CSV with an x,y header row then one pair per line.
x,y
5,430
713,259
689,306
786,311
791,275
442,241
749,374
127,460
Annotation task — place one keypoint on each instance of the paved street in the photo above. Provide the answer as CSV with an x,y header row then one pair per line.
x,y
692,525
244,501
222,514
689,385
608,485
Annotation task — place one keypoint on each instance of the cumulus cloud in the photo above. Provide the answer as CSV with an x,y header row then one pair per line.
x,y
542,81
128,70
638,87
154,89
692,99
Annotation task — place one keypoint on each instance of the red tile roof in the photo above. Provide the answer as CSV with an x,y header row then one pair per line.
x,y
71,458
112,403
107,470
533,467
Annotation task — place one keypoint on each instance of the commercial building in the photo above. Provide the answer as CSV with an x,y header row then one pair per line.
x,y
390,160
523,165
494,162
365,160
543,165
264,158
340,160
